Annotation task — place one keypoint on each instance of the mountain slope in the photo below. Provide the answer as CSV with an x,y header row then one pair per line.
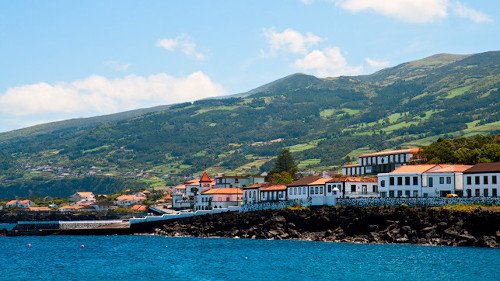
x,y
321,120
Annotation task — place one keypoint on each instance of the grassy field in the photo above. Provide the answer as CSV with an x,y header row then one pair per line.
x,y
458,92
222,107
308,163
304,146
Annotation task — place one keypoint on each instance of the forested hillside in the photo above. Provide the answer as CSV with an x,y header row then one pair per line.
x,y
321,121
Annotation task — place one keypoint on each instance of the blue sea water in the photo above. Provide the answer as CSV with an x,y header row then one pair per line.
x,y
163,258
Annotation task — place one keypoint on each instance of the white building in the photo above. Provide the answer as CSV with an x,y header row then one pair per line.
x,y
381,162
426,180
353,187
82,197
251,193
481,180
129,200
273,193
216,198
310,190
21,204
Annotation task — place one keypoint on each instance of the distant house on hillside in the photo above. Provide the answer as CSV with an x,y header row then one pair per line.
x,y
129,200
21,204
82,197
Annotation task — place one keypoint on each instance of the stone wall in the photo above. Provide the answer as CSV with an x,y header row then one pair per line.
x,y
417,202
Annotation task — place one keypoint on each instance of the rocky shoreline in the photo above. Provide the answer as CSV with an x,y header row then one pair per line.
x,y
424,226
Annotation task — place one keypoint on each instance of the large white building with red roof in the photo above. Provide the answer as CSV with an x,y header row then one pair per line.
x,y
353,187
381,162
425,180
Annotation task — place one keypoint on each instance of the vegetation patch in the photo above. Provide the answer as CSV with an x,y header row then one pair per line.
x,y
458,91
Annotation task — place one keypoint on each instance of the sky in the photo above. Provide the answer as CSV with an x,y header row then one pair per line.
x,y
70,59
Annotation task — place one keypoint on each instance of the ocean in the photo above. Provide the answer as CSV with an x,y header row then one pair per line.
x,y
165,258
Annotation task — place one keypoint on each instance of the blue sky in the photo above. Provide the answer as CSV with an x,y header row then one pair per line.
x,y
68,59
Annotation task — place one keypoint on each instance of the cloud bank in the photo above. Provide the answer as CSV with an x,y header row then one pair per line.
x,y
182,43
100,95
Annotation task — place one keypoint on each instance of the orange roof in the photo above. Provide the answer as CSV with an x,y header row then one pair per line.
x,y
310,180
205,177
180,186
39,209
451,168
129,198
354,179
274,187
223,190
84,194
11,202
351,165
387,152
72,207
139,208
414,168
192,182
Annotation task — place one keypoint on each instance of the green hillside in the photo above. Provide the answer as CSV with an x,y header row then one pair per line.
x,y
320,120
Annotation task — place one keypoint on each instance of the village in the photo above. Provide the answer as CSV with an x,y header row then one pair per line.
x,y
381,175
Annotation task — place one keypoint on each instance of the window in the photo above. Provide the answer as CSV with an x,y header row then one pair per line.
x,y
391,181
320,190
415,193
383,194
469,180
400,180
469,193
382,183
329,188
441,180
407,193
227,198
431,182
236,180
485,180
375,188
300,191
448,180
400,193
476,180
407,180
494,179
485,192
315,190
478,192
391,193
494,192
353,188
415,180
304,190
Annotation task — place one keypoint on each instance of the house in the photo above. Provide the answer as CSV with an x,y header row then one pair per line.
x,y
21,204
353,187
425,180
102,206
251,193
128,200
381,162
311,190
185,195
237,181
273,193
216,198
82,198
448,179
481,180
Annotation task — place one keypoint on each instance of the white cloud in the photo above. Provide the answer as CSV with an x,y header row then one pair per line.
x,y
414,11
420,11
116,65
327,62
290,41
378,64
307,2
100,95
182,43
468,13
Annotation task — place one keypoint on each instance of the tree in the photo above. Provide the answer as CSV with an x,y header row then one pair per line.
x,y
285,163
280,178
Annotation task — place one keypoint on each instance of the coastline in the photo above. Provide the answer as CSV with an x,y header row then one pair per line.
x,y
380,225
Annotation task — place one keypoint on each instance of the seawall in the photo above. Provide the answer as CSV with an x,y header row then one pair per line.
x,y
427,226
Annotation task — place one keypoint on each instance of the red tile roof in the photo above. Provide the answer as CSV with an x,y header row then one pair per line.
x,y
139,208
310,180
415,168
451,168
351,165
205,177
223,190
484,168
274,187
257,185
